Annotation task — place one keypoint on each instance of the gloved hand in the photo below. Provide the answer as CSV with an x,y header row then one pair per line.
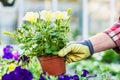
x,y
76,51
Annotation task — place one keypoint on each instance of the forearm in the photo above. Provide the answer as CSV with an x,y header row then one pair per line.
x,y
102,42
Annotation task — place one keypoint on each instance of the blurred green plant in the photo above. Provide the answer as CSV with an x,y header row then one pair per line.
x,y
110,56
6,66
76,33
35,68
98,70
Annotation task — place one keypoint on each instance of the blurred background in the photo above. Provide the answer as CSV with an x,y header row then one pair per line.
x,y
89,17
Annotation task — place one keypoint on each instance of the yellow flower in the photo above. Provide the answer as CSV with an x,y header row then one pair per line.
x,y
11,67
46,15
31,16
60,15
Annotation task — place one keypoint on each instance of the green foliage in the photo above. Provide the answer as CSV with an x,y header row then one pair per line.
x,y
35,68
4,63
98,70
110,57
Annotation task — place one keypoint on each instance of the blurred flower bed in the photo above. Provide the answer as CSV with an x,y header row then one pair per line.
x,y
14,67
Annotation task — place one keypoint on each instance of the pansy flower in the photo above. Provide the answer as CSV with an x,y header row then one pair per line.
x,y
85,72
18,74
15,55
75,77
44,76
8,52
61,77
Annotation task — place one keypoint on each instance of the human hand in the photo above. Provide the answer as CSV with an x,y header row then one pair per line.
x,y
76,51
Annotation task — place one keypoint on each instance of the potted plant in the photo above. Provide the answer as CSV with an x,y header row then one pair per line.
x,y
43,34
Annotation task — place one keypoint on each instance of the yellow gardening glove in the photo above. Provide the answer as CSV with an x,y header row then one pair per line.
x,y
74,52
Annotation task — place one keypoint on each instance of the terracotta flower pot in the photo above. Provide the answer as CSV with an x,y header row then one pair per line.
x,y
53,65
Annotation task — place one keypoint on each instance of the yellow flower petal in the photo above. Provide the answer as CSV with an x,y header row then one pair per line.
x,y
31,16
46,15
60,15
11,67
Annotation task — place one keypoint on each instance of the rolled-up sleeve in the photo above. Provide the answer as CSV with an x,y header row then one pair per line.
x,y
114,33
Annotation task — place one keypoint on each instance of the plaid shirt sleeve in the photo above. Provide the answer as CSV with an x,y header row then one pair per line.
x,y
114,33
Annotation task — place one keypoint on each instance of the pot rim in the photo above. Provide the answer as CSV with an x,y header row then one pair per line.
x,y
49,57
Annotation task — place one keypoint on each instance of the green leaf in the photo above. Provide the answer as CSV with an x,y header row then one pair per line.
x,y
79,72
24,47
53,48
69,11
38,37
47,45
29,39
55,52
26,27
9,33
48,51
32,54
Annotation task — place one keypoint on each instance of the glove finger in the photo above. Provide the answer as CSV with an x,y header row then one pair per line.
x,y
77,56
65,51
74,57
66,62
69,59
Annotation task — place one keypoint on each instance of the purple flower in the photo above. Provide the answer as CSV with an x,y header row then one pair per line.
x,y
8,52
42,76
23,73
8,49
7,56
10,76
75,77
85,72
15,55
61,77
5,77
64,77
18,74
71,77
